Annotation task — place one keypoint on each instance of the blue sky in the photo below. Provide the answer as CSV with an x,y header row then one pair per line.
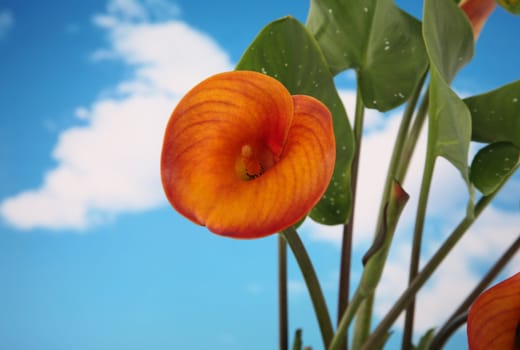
x,y
92,257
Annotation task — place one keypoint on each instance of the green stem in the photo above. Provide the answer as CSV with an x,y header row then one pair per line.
x,y
344,274
489,277
348,315
282,294
400,143
313,285
451,325
346,249
447,330
363,321
412,138
374,262
419,280
429,165
297,344
364,318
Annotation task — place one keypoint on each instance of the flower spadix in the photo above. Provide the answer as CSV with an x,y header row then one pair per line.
x,y
494,318
244,157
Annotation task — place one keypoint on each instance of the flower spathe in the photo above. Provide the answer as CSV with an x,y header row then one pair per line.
x,y
494,318
244,158
478,11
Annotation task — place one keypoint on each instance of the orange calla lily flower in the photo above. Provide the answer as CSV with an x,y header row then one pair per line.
x,y
494,318
244,158
478,12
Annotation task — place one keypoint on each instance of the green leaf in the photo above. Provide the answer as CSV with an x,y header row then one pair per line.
x,y
492,166
512,6
449,124
449,43
448,37
426,339
383,43
285,50
496,114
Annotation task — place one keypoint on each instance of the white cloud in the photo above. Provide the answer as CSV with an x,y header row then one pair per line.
x,y
127,9
111,165
6,23
322,233
81,113
448,192
481,246
167,56
493,233
296,287
372,119
375,154
139,10
509,196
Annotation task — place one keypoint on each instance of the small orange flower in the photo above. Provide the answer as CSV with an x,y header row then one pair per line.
x,y
244,157
494,318
478,12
